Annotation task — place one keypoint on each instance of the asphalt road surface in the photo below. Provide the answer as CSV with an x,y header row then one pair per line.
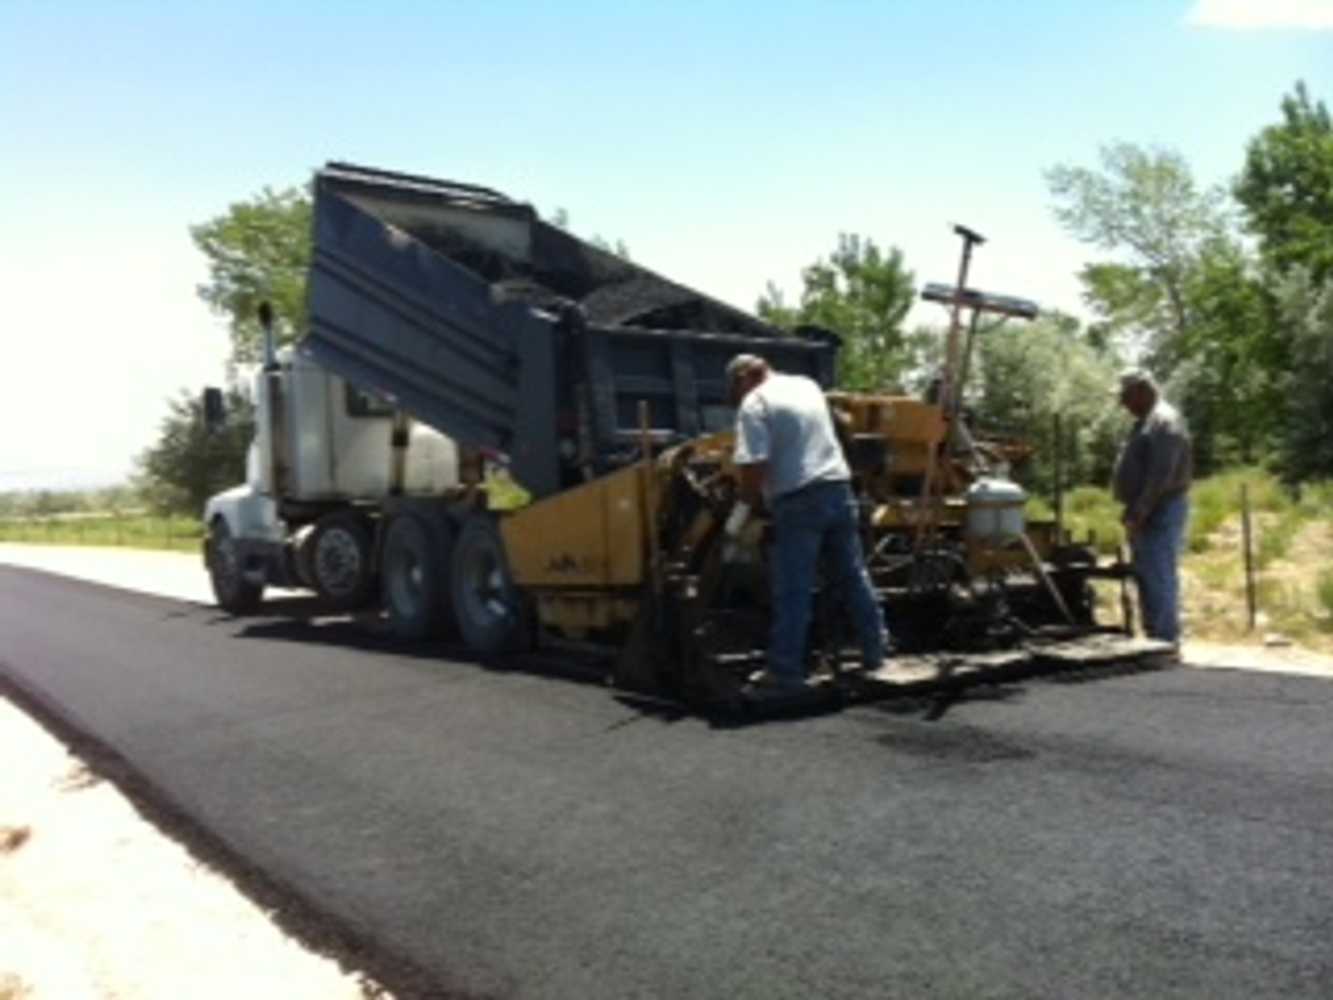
x,y
482,832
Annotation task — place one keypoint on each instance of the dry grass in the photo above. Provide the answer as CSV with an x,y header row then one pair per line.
x,y
1293,587
136,531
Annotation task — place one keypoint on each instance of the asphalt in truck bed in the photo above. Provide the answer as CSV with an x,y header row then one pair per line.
x,y
490,832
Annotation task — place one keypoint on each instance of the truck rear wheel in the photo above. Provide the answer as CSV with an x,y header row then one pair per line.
x,y
226,572
414,576
491,611
339,562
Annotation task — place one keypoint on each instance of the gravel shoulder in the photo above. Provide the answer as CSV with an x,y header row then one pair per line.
x,y
96,902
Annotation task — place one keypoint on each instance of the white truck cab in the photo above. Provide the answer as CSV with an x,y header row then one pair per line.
x,y
325,457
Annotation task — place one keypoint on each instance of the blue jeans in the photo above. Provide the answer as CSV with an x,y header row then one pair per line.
x,y
1156,550
819,518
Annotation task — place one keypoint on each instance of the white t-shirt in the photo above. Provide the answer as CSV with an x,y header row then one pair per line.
x,y
785,422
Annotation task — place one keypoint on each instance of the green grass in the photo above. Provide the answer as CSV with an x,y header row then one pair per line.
x,y
1324,595
1216,499
140,531
1092,511
1088,509
1316,499
1275,535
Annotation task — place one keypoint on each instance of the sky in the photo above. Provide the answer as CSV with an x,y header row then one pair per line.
x,y
727,144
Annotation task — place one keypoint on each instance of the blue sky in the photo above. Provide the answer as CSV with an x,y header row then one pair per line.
x,y
726,144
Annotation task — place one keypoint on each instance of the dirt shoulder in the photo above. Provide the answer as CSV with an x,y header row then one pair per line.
x,y
96,902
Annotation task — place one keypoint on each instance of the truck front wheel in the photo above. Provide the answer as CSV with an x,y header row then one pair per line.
x,y
226,571
414,576
492,612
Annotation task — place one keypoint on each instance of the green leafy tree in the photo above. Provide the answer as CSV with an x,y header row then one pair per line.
x,y
1145,206
1026,375
1234,358
1305,309
189,463
1286,187
863,294
258,250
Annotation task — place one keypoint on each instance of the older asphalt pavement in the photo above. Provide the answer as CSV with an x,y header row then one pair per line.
x,y
499,833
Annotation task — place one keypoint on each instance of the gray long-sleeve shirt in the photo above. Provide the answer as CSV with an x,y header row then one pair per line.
x,y
1156,462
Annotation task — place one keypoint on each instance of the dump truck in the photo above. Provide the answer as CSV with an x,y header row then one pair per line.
x,y
457,341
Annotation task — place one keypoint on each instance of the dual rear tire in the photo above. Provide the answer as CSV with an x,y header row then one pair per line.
x,y
436,581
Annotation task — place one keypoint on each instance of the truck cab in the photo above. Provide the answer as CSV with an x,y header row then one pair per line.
x,y
325,456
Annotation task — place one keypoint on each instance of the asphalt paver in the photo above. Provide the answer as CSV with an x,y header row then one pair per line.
x,y
511,833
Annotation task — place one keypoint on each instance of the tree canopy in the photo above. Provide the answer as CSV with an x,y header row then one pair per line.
x,y
1029,373
1286,186
1144,205
188,463
863,294
258,250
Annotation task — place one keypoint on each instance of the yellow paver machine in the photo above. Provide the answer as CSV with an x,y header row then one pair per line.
x,y
599,387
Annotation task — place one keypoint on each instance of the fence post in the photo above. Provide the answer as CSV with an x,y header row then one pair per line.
x,y
1249,556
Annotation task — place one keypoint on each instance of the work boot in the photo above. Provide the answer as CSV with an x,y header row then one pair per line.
x,y
766,682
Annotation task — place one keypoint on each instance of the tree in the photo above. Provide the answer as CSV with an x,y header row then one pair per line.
x,y
1228,382
1145,205
188,464
862,294
1286,187
1305,310
1026,376
258,250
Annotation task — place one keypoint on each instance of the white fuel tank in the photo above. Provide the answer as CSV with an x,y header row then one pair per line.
x,y
995,511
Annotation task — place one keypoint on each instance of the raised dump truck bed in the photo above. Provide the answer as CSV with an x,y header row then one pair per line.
x,y
510,334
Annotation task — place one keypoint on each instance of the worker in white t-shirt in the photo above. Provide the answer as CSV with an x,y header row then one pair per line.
x,y
786,449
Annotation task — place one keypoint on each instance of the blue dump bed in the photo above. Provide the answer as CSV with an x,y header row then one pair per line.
x,y
510,334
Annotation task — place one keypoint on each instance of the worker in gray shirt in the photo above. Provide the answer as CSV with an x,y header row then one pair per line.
x,y
1152,481
786,448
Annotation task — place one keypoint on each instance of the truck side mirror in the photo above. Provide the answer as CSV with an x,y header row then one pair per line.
x,y
215,410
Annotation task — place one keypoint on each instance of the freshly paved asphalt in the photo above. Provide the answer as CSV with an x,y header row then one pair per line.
x,y
1164,834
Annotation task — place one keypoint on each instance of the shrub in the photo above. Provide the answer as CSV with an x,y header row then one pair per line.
x,y
1324,593
1090,509
1214,500
1276,534
1037,509
1316,498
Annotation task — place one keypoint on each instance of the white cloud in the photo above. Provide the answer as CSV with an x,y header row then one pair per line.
x,y
1244,15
